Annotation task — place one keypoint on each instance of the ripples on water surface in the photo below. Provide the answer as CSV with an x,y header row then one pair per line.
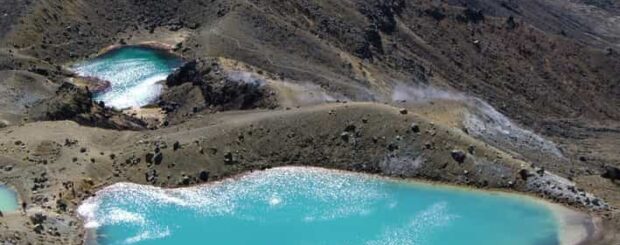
x,y
134,73
314,206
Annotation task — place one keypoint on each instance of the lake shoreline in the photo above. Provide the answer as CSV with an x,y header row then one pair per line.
x,y
137,72
121,152
574,227
16,197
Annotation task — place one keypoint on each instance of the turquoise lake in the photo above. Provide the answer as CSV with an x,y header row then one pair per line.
x,y
8,199
315,206
133,72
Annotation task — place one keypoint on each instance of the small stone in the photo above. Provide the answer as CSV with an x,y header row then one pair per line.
x,y
69,142
176,146
524,174
204,175
403,111
185,180
458,156
38,228
229,158
350,128
345,136
471,149
61,205
38,218
157,158
415,128
151,176
149,157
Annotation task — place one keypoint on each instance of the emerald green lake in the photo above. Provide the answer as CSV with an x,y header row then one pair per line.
x,y
134,73
8,199
315,206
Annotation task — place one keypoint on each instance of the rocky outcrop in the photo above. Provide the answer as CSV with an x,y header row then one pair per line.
x,y
202,85
188,73
76,104
93,84
382,13
611,173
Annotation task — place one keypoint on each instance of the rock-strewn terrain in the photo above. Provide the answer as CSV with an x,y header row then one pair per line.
x,y
517,95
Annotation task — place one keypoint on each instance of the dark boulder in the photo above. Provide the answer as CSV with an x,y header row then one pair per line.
x,y
525,174
203,175
471,149
345,136
38,228
74,103
38,218
158,158
185,180
61,205
510,23
149,157
415,128
151,176
611,173
350,128
458,156
229,158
